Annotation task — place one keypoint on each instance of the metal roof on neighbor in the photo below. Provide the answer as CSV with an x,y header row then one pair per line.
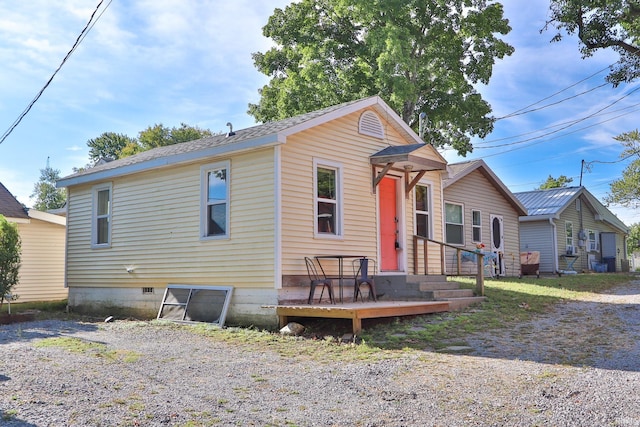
x,y
547,202
405,155
10,207
553,201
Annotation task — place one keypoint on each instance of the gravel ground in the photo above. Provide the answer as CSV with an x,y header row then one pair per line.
x,y
578,366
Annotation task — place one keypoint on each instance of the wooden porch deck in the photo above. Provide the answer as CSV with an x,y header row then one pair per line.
x,y
360,310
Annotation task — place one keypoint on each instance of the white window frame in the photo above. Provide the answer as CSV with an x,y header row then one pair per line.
x,y
95,190
568,227
594,245
475,226
461,224
339,224
427,213
204,199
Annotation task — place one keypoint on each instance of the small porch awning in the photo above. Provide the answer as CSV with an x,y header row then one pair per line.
x,y
405,158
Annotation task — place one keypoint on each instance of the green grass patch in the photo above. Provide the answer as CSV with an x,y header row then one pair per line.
x,y
509,301
47,307
100,350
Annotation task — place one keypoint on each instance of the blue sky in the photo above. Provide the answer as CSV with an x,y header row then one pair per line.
x,y
172,61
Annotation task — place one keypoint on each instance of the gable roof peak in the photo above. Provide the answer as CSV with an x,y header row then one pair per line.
x,y
10,207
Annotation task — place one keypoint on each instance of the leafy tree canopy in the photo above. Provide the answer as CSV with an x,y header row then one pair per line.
x,y
45,191
111,145
633,241
551,182
418,55
626,190
600,25
160,136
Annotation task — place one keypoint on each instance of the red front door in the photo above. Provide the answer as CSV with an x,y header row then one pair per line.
x,y
388,224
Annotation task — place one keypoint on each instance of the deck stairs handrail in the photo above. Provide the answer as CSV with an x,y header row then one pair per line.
x,y
426,242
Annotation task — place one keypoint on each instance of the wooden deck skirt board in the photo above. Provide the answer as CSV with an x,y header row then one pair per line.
x,y
358,311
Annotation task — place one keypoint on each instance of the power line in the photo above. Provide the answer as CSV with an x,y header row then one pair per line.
x,y
489,141
522,111
79,40
518,112
570,124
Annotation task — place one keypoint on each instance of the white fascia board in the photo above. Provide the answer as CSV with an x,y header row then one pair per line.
x,y
18,220
367,102
263,141
47,217
532,218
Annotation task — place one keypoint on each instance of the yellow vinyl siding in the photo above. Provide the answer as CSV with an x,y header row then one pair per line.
x,y
156,229
338,141
42,262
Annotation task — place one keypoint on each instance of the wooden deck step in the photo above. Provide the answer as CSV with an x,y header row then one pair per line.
x,y
456,304
358,311
443,294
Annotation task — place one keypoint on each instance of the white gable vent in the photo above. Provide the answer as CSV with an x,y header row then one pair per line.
x,y
371,125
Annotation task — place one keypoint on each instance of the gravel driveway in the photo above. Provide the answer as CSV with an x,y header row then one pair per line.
x,y
579,366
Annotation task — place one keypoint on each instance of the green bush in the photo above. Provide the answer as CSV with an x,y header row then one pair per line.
x,y
9,257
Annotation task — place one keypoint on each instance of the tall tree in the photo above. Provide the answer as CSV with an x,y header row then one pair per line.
x,y
9,257
626,190
418,55
633,241
599,25
45,191
109,145
551,182
160,136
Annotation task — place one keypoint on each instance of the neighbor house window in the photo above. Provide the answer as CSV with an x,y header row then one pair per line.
x,y
101,228
215,200
327,191
568,227
454,226
476,224
422,208
593,241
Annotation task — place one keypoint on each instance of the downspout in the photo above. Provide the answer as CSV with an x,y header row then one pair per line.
x,y
554,247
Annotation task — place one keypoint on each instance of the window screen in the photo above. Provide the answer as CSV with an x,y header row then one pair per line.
x,y
190,303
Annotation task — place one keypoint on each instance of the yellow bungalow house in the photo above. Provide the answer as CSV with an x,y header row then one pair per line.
x,y
245,208
42,234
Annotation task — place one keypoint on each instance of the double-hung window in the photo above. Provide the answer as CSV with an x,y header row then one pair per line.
x,y
101,217
454,225
568,227
215,201
422,209
328,198
593,241
476,225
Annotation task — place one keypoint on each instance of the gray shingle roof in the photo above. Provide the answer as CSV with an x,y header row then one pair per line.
x,y
217,141
458,171
9,205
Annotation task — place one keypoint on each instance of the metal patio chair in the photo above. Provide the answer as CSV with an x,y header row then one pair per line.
x,y
316,280
361,269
